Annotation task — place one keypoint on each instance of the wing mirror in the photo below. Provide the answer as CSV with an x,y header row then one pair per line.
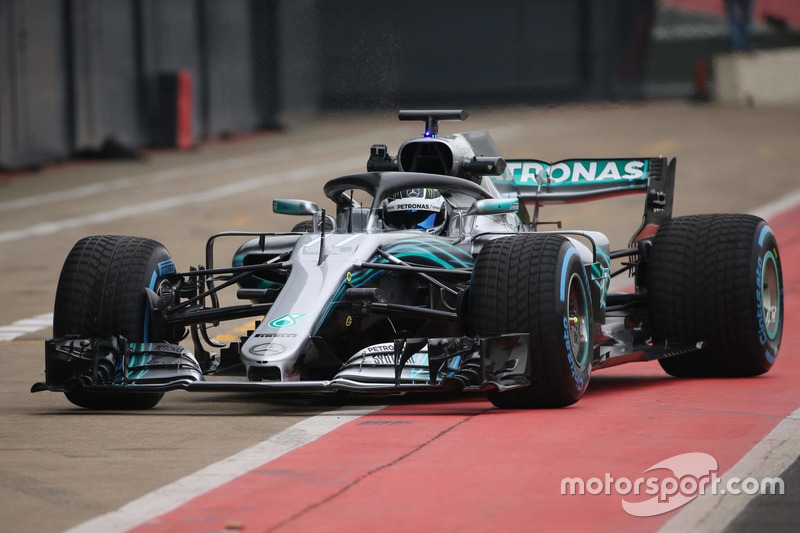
x,y
294,207
494,206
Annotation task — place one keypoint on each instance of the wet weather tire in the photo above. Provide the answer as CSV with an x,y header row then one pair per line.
x,y
717,279
101,292
536,284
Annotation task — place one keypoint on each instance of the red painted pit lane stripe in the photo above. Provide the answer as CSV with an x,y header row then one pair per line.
x,y
277,492
466,466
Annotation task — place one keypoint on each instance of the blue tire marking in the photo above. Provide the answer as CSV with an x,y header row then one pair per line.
x,y
764,232
564,267
146,333
166,267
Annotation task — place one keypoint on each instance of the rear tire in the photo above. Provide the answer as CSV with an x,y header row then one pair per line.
x,y
717,279
101,292
537,284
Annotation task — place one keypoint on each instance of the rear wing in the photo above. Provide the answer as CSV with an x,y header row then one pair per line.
x,y
535,182
576,180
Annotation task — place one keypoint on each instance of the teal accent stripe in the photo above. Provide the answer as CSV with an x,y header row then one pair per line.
x,y
770,258
427,249
603,255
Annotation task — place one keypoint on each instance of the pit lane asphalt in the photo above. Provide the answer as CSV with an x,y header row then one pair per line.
x,y
60,465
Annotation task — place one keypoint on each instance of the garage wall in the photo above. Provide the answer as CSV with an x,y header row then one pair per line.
x,y
105,77
226,72
75,74
34,96
299,60
424,51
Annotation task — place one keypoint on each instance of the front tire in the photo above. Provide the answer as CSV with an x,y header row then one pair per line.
x,y
717,279
101,292
536,284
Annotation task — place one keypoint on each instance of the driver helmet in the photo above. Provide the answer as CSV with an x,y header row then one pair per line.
x,y
416,209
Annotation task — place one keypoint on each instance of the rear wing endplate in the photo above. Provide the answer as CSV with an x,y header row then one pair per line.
x,y
535,182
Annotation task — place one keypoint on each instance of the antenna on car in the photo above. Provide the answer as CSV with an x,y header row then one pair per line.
x,y
322,254
537,176
542,177
350,214
432,118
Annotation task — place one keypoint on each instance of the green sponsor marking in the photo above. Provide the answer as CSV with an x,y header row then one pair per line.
x,y
286,321
525,172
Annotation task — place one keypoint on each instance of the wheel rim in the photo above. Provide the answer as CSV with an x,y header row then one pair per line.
x,y
771,296
578,321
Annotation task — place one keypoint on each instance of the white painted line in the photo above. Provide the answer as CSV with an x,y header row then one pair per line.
x,y
185,489
294,152
766,211
18,328
164,204
781,205
770,457
45,321
24,326
191,171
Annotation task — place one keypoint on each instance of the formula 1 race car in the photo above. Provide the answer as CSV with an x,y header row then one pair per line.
x,y
441,281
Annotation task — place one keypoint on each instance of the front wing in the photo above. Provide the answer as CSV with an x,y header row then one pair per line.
x,y
113,365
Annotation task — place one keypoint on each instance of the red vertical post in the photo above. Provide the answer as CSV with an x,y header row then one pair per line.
x,y
183,119
701,81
